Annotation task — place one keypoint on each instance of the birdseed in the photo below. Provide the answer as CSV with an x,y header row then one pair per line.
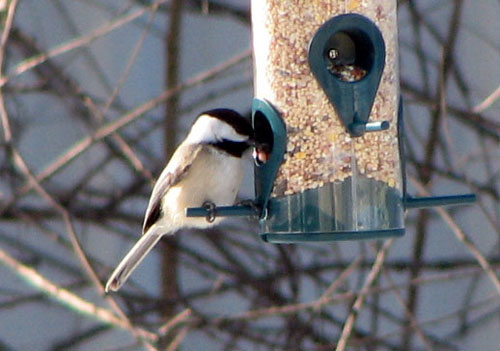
x,y
319,149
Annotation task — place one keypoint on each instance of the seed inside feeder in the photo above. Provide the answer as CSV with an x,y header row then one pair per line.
x,y
319,149
347,73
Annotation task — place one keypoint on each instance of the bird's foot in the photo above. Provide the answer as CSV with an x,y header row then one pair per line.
x,y
211,211
251,204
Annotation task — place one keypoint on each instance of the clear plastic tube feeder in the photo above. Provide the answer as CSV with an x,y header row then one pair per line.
x,y
329,69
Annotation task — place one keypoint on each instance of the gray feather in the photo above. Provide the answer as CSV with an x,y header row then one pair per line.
x,y
168,179
132,259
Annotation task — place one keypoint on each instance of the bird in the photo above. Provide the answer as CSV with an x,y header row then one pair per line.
x,y
342,50
206,168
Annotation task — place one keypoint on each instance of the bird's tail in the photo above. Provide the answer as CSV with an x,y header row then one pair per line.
x,y
136,254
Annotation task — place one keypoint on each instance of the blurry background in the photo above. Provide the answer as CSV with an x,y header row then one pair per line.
x,y
95,95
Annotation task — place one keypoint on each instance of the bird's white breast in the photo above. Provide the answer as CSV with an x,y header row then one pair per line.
x,y
214,176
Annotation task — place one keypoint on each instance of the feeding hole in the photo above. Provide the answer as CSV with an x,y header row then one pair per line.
x,y
264,139
349,55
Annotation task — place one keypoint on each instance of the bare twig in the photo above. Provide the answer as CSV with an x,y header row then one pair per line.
x,y
176,341
336,283
174,321
76,43
84,144
66,297
5,37
358,303
170,254
487,102
463,238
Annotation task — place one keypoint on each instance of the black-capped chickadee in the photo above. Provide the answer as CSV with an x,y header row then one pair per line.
x,y
205,168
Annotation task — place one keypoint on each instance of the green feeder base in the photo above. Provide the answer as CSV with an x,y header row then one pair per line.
x,y
289,238
355,208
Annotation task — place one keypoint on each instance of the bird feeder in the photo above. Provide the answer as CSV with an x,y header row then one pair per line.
x,y
328,111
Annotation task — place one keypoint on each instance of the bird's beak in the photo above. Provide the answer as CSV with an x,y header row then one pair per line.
x,y
261,153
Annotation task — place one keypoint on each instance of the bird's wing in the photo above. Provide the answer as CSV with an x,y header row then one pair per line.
x,y
175,170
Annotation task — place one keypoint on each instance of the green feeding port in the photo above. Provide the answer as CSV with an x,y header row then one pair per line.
x,y
270,131
347,58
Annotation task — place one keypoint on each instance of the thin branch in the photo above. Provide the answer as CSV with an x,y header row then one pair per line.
x,y
174,321
76,43
336,283
19,161
21,165
83,145
358,304
176,341
463,238
65,297
487,102
170,254
5,37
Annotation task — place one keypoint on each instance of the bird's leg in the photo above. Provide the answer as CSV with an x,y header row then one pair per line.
x,y
251,204
211,211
